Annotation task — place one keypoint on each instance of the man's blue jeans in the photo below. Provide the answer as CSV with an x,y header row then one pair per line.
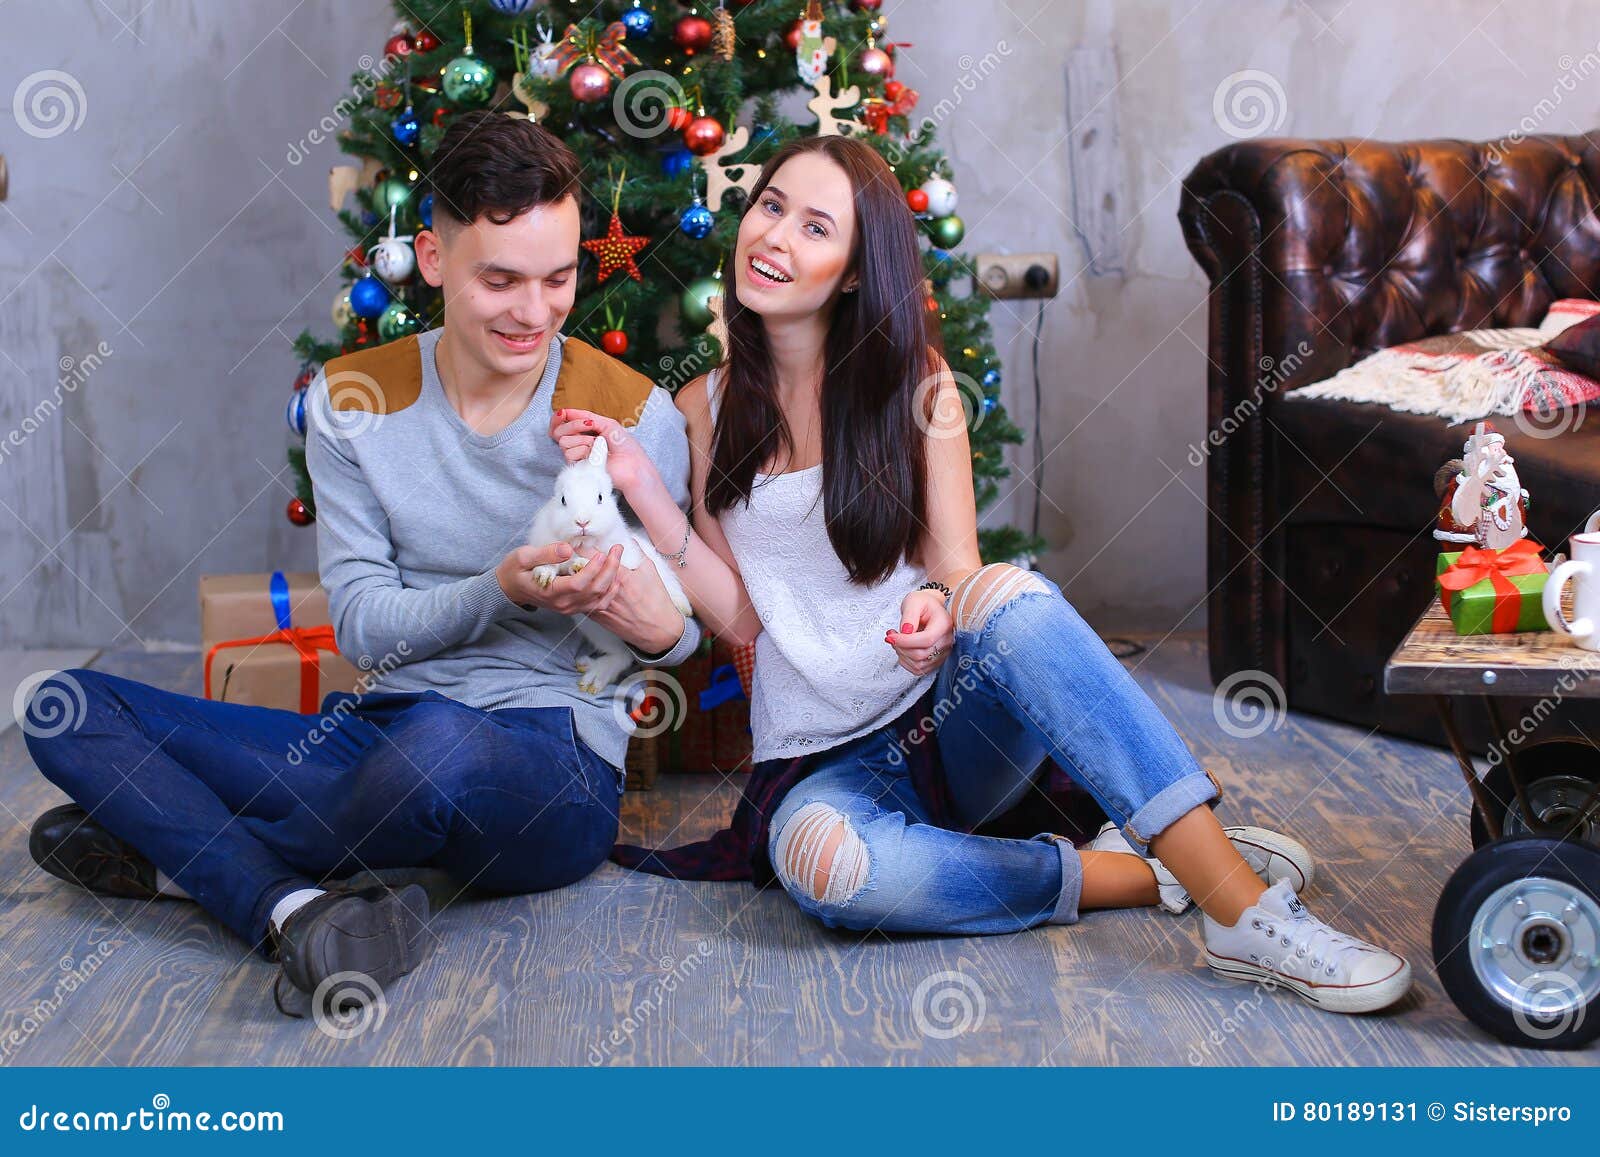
x,y
242,805
853,843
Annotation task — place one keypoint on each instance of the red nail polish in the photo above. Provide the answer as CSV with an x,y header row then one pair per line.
x,y
905,628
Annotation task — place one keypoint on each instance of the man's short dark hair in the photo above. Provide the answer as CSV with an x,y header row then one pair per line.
x,y
489,164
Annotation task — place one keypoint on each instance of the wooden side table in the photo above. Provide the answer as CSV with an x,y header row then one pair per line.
x,y
1516,929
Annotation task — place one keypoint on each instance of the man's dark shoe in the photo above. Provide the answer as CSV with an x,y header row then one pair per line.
x,y
441,887
378,933
70,845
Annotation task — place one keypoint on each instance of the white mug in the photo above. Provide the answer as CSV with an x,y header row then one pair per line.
x,y
1583,571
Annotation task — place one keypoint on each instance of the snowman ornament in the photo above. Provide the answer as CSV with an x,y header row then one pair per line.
x,y
393,259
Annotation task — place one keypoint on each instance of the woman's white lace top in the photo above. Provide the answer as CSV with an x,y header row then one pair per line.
x,y
823,673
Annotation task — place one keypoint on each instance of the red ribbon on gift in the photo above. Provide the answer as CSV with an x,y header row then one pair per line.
x,y
308,641
1476,564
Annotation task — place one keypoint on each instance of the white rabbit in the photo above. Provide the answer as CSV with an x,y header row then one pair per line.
x,y
583,512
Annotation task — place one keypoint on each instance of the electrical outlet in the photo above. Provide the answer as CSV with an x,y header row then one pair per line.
x,y
1018,274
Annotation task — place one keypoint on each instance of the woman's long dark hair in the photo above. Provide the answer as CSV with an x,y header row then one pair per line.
x,y
879,350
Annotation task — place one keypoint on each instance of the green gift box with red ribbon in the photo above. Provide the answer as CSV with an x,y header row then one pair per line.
x,y
1494,592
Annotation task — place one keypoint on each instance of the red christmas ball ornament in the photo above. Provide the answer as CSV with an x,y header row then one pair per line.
x,y
590,82
894,90
679,118
866,5
704,135
385,97
692,33
933,304
918,200
425,41
299,513
398,45
439,114
356,257
614,342
876,63
792,36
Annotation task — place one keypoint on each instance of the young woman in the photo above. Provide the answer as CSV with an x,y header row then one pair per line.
x,y
904,693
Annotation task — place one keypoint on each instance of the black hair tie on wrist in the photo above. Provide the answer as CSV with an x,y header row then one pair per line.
x,y
936,585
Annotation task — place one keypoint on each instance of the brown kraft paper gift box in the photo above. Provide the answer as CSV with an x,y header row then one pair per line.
x,y
239,606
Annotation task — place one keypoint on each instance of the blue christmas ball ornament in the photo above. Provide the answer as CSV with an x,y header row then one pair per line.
x,y
989,404
369,297
677,162
991,379
638,21
369,218
405,127
697,221
425,211
511,7
943,269
296,414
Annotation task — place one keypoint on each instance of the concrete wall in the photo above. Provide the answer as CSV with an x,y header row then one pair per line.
x,y
166,246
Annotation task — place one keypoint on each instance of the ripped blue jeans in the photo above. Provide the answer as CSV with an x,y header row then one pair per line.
x,y
1026,680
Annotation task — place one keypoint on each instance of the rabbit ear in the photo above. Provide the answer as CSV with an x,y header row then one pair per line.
x,y
598,452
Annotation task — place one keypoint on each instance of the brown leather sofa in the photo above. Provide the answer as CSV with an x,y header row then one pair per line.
x,y
1320,552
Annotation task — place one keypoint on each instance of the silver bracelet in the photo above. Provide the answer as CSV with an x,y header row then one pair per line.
x,y
684,549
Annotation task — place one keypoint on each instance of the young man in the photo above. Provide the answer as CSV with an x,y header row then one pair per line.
x,y
475,755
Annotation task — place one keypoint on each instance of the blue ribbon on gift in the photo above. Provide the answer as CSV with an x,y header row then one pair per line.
x,y
279,587
724,688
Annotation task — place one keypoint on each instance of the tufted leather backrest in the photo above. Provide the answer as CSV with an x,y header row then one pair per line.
x,y
1356,245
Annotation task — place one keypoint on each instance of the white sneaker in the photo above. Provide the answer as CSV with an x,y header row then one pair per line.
x,y
1279,942
1271,855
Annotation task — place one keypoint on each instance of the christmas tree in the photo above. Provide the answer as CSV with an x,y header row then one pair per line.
x,y
673,107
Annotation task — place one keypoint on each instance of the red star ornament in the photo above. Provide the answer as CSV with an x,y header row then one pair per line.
x,y
616,249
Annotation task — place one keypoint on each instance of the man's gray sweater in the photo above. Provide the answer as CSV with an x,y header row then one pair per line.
x,y
415,511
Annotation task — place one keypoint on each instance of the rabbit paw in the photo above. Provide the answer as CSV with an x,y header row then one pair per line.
x,y
602,672
544,574
578,563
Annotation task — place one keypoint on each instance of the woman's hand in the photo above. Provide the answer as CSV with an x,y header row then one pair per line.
x,y
627,463
926,634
